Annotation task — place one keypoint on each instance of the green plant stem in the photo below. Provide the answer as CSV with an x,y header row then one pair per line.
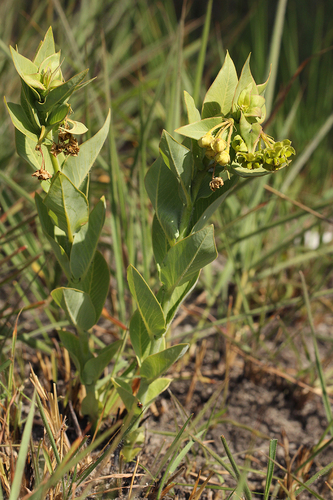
x,y
55,163
185,220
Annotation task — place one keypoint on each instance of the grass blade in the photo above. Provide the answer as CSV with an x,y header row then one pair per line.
x,y
270,466
22,456
326,401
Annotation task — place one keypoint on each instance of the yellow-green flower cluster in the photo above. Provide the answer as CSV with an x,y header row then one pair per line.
x,y
271,158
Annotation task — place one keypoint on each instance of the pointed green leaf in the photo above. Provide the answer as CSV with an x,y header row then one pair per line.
x,y
94,368
218,99
185,259
156,364
77,167
20,121
96,282
162,188
24,67
262,86
27,103
139,337
193,114
245,80
68,204
198,129
178,158
205,207
149,307
160,241
61,93
85,241
46,48
77,305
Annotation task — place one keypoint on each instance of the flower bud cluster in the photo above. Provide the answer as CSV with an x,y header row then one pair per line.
x,y
216,148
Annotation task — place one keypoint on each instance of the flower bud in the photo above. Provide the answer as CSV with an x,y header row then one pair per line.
x,y
219,145
206,140
210,153
222,158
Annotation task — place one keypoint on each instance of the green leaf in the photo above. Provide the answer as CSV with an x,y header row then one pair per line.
x,y
193,114
73,345
162,188
160,241
250,132
218,99
76,128
125,393
34,81
154,390
25,148
179,160
44,217
24,67
46,48
77,305
178,296
61,93
61,256
185,259
69,206
27,102
48,229
205,207
20,121
51,62
139,336
85,241
149,307
94,368
246,172
58,114
261,87
77,167
96,282
198,129
245,80
156,364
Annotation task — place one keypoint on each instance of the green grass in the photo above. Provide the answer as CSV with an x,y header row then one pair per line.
x,y
143,57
